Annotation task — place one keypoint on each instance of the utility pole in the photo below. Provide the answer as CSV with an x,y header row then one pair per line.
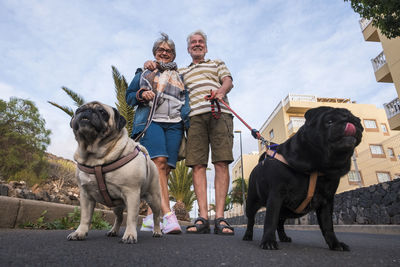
x,y
241,163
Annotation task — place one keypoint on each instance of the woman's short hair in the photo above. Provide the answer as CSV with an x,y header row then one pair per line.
x,y
198,32
164,39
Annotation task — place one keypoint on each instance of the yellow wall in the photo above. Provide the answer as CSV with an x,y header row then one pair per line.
x,y
391,49
249,162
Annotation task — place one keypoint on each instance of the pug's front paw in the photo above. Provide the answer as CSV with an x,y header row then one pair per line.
x,y
339,246
77,236
269,245
129,239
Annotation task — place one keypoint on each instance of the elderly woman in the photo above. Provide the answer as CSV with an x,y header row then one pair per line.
x,y
162,137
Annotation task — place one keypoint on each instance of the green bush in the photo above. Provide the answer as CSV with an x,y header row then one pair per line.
x,y
70,222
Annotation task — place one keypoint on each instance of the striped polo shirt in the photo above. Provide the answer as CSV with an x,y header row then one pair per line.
x,y
200,79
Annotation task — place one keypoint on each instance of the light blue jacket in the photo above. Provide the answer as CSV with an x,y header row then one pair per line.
x,y
142,110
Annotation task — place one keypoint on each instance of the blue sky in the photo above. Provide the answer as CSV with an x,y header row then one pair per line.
x,y
272,48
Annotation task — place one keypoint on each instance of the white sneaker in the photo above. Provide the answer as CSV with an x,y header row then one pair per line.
x,y
147,224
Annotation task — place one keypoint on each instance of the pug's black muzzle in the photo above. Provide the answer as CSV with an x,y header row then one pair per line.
x,y
88,118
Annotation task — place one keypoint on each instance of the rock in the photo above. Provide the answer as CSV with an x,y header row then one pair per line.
x,y
394,209
395,219
360,219
371,189
385,186
4,190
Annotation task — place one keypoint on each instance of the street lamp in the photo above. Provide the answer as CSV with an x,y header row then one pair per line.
x,y
241,163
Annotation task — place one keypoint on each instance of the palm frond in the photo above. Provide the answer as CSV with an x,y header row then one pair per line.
x,y
66,109
120,90
79,100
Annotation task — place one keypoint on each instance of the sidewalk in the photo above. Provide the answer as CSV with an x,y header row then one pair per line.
x,y
389,229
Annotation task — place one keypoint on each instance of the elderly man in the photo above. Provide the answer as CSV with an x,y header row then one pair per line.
x,y
205,131
205,77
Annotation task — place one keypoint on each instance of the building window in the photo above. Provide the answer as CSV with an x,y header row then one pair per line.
x,y
377,151
383,177
390,153
271,134
354,177
370,126
384,129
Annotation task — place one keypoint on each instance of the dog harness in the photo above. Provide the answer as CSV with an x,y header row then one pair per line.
x,y
311,185
100,170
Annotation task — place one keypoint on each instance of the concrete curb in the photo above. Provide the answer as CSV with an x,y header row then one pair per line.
x,y
367,229
17,211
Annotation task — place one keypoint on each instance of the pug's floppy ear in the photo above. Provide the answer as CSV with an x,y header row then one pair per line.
x,y
119,119
72,119
312,113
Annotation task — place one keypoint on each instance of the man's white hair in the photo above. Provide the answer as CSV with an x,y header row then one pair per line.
x,y
198,32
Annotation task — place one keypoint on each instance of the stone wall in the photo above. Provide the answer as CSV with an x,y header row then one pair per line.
x,y
376,204
49,192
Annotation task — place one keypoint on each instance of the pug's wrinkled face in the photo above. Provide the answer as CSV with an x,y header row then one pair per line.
x,y
95,121
336,128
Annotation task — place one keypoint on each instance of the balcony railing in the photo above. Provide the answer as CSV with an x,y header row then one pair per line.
x,y
295,123
392,108
364,23
378,62
303,98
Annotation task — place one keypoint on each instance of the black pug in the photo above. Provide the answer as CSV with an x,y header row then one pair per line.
x,y
324,144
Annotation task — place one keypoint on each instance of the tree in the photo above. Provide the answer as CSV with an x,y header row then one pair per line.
x,y
23,141
120,91
236,192
385,15
179,183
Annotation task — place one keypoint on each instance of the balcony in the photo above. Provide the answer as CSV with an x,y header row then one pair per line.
x,y
299,103
370,33
294,125
393,113
381,69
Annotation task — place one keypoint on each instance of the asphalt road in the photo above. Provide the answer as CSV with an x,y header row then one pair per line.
x,y
50,248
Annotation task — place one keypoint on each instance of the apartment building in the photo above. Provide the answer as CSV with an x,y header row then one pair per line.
x,y
377,158
249,161
386,67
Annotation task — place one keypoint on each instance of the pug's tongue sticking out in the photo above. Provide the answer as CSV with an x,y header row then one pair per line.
x,y
350,129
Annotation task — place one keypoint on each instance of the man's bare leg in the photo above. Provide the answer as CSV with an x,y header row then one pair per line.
x,y
221,183
200,188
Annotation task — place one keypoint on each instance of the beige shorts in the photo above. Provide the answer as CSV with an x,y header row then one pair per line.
x,y
204,132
